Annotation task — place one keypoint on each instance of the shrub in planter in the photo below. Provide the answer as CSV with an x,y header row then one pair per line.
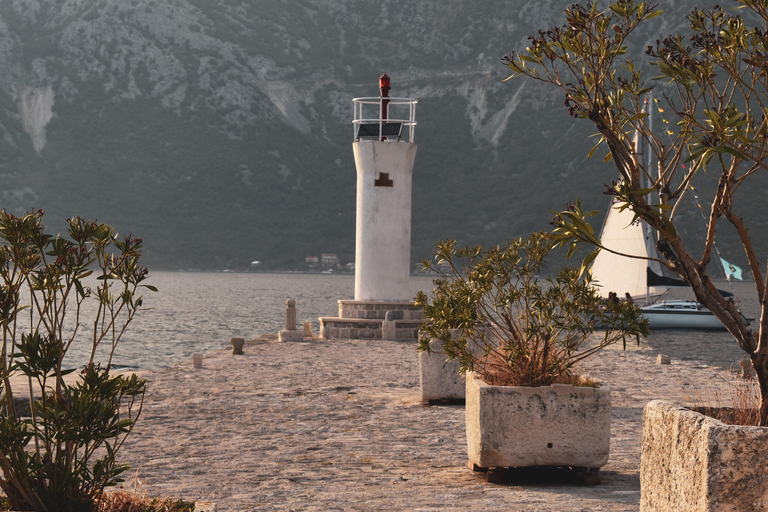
x,y
59,453
512,327
495,315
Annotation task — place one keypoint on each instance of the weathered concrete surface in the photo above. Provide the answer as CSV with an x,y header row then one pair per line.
x,y
439,379
339,425
695,463
559,425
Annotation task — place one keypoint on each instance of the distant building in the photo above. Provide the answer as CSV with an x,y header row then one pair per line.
x,y
330,260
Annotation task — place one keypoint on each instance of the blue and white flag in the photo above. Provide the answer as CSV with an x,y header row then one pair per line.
x,y
731,270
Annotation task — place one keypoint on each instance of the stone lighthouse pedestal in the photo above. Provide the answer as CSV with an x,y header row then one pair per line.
x,y
384,156
364,319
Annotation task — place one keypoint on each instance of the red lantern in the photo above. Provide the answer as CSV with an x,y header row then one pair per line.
x,y
384,85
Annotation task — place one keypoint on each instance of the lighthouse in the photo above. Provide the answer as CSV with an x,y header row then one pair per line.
x,y
385,152
384,163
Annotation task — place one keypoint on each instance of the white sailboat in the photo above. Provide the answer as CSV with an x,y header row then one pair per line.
x,y
631,271
624,274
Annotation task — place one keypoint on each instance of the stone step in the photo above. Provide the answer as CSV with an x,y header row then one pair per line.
x,y
363,328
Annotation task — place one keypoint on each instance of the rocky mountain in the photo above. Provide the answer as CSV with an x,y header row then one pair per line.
x,y
220,131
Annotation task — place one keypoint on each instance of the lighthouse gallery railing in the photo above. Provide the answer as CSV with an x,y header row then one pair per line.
x,y
377,126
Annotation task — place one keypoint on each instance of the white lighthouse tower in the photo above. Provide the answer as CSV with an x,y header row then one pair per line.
x,y
385,152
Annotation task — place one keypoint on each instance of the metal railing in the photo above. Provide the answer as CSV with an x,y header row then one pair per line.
x,y
401,114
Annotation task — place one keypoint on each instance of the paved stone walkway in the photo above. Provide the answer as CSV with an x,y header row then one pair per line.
x,y
338,425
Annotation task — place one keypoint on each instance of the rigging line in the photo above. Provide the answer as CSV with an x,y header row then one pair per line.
x,y
700,209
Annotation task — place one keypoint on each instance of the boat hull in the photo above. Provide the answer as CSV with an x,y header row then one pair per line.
x,y
680,315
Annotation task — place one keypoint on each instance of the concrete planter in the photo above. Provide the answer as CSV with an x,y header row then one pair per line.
x,y
558,426
439,380
696,463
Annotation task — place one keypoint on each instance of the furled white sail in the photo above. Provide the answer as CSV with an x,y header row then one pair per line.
x,y
618,273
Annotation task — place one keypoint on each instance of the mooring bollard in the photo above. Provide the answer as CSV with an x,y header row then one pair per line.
x,y
237,345
290,315
197,360
290,333
388,328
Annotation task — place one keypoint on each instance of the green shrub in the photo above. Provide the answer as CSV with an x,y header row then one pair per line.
x,y
494,313
60,454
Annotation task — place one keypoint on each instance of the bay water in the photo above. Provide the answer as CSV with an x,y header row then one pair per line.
x,y
201,311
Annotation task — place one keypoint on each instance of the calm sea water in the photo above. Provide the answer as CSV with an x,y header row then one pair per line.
x,y
715,348
201,311
198,312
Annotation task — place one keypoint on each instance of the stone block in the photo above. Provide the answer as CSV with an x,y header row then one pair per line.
x,y
696,463
290,335
439,379
388,330
511,426
413,314
662,359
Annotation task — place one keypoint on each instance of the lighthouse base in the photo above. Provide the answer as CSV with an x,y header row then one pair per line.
x,y
360,319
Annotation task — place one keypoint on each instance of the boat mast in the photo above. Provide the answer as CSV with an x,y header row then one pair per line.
x,y
649,247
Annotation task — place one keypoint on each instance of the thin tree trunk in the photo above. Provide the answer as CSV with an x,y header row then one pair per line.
x,y
762,379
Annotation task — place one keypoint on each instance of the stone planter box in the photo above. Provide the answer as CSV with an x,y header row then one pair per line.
x,y
554,426
439,380
696,463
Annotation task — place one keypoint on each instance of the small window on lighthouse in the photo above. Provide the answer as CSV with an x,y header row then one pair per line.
x,y
383,180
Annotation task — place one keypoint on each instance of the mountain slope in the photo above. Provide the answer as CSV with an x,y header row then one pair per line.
x,y
220,131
